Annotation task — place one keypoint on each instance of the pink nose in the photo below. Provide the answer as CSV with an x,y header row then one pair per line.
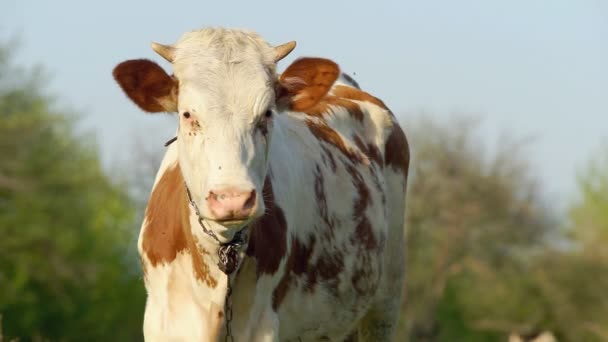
x,y
231,204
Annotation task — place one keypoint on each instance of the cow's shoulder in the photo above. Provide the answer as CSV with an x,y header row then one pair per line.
x,y
359,125
166,231
166,218
391,135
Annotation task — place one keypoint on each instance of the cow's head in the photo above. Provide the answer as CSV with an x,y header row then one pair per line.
x,y
226,93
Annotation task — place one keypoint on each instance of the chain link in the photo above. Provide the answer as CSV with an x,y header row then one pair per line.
x,y
228,309
199,217
228,254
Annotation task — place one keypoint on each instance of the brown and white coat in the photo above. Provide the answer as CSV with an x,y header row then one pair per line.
x,y
325,256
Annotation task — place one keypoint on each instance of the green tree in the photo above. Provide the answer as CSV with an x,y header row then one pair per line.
x,y
578,289
66,226
473,219
486,257
571,278
590,214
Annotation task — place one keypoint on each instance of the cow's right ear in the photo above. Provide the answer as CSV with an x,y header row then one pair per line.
x,y
148,85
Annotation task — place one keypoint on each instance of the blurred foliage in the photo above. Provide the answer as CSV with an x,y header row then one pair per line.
x,y
486,257
66,226
590,215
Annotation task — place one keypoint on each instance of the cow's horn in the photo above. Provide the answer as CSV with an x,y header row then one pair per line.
x,y
165,51
283,50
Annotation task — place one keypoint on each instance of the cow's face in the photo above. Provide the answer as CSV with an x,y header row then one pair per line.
x,y
226,94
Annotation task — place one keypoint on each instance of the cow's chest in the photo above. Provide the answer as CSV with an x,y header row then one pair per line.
x,y
323,287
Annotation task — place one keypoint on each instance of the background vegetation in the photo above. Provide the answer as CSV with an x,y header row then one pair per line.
x,y
66,225
487,255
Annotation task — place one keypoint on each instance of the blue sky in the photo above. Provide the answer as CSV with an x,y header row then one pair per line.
x,y
527,68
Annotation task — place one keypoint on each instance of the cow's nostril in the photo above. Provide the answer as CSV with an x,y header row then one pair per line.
x,y
250,201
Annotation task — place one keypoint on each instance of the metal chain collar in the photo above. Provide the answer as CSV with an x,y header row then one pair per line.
x,y
228,254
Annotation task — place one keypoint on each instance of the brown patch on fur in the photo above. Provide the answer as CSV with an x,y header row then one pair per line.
x,y
373,153
329,157
148,85
326,134
299,253
396,150
326,269
268,240
361,280
366,242
364,235
357,95
321,198
168,231
306,81
167,218
376,180
363,198
324,107
370,150
368,246
201,268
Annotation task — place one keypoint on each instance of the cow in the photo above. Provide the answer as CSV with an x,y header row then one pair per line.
x,y
307,171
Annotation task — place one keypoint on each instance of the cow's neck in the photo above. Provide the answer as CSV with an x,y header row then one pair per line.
x,y
185,285
212,279
205,252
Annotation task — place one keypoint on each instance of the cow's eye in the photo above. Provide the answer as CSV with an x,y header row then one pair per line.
x,y
263,127
186,115
268,113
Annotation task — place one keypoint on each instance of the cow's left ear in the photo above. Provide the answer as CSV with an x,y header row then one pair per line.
x,y
305,82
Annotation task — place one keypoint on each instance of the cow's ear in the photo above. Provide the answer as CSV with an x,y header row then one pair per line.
x,y
148,85
305,82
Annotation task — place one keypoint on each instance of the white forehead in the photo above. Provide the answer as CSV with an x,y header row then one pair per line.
x,y
227,45
219,67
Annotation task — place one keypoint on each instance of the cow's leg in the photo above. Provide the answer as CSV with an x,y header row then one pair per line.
x,y
267,329
263,329
380,321
263,322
